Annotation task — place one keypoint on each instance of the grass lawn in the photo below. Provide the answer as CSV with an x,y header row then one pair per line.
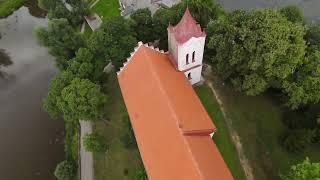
x,y
107,8
221,137
118,162
8,6
258,121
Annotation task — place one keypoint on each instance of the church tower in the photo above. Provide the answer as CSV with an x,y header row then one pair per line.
x,y
186,43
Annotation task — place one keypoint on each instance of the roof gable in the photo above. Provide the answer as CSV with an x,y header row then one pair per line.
x,y
186,28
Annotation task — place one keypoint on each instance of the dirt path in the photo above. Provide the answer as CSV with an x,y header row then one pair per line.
x,y
234,136
86,157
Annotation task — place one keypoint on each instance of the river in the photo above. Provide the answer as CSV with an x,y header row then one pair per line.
x,y
310,7
31,144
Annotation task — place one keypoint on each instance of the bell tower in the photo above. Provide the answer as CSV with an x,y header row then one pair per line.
x,y
186,43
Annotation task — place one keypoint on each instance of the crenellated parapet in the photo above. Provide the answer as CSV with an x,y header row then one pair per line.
x,y
140,44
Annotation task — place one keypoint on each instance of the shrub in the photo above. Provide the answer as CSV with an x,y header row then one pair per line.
x,y
95,142
66,170
303,171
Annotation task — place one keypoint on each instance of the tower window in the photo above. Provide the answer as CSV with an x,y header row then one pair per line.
x,y
187,59
193,56
189,76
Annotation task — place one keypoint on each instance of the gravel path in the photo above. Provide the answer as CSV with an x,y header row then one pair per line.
x,y
86,157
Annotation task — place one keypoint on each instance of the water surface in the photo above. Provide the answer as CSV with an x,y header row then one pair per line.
x,y
31,144
311,8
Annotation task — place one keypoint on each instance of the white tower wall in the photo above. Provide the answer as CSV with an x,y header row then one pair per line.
x,y
194,74
192,46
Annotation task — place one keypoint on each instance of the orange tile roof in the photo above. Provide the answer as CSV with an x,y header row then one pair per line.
x,y
170,124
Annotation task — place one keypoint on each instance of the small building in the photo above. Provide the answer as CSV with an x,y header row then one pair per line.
x,y
171,126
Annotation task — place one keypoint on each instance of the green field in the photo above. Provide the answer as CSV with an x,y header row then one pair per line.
x,y
258,121
107,8
8,6
222,136
118,162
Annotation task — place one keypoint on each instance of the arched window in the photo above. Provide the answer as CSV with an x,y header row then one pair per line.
x,y
193,56
187,59
189,76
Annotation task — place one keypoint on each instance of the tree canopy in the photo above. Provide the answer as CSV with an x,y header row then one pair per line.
x,y
256,49
293,14
82,100
143,25
95,142
304,86
65,170
113,41
87,66
303,171
61,39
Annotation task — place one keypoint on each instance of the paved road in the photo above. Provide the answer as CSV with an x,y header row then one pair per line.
x,y
86,157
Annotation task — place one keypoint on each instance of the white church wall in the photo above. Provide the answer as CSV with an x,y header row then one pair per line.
x,y
195,74
192,45
173,46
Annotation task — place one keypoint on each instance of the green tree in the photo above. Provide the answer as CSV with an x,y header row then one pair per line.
x,y
66,170
312,38
58,11
303,87
256,49
204,10
113,41
293,13
95,142
86,66
48,4
303,171
61,39
50,102
142,25
82,100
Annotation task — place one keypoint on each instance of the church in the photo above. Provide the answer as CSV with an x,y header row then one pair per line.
x,y
172,128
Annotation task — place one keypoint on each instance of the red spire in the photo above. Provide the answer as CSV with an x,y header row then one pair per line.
x,y
186,28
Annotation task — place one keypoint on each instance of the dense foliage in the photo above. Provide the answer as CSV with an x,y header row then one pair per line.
x,y
61,39
293,14
66,170
95,143
256,49
143,25
304,171
113,41
74,99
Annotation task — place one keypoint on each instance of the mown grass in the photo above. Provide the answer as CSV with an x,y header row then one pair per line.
x,y
258,122
8,6
107,8
118,162
222,136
